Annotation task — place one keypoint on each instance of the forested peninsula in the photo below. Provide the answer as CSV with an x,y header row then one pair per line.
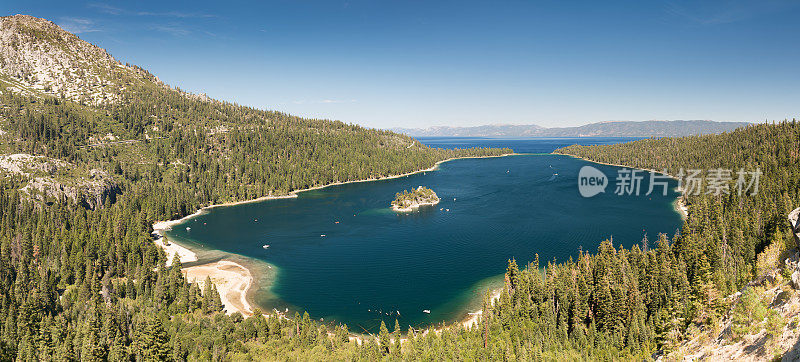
x,y
95,151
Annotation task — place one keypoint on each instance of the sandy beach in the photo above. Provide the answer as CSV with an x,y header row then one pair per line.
x,y
171,249
475,317
232,281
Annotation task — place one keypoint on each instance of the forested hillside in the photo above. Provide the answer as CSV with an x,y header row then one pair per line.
x,y
86,171
84,281
689,283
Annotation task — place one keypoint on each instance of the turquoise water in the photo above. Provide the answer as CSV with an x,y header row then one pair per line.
x,y
342,254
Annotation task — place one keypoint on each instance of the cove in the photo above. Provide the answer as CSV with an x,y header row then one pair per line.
x,y
341,254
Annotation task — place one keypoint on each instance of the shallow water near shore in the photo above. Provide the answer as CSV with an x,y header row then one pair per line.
x,y
341,254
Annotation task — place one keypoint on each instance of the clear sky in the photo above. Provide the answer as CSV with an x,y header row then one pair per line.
x,y
384,63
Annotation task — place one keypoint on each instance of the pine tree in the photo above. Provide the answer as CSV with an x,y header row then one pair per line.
x,y
152,343
512,276
209,304
485,318
396,347
384,339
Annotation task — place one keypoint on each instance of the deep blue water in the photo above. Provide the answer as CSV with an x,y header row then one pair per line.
x,y
377,264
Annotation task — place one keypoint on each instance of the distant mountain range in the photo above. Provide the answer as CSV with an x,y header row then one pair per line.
x,y
600,129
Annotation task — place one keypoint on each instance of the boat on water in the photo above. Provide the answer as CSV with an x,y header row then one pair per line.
x,y
428,311
265,246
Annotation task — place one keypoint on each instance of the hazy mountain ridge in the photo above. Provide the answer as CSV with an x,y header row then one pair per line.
x,y
599,129
96,279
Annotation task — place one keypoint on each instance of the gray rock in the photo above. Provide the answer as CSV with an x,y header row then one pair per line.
x,y
792,261
794,220
52,179
780,299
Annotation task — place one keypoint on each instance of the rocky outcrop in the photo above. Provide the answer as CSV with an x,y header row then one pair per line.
x,y
92,192
794,221
777,295
50,180
792,263
39,57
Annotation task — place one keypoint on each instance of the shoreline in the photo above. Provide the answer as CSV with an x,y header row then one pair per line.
x,y
234,286
167,225
184,254
679,204
233,280
415,206
473,318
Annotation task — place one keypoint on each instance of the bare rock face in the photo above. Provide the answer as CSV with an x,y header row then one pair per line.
x,y
38,55
793,263
91,193
794,221
51,179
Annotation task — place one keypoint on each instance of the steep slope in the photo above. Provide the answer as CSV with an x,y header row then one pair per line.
x,y
66,99
735,258
52,180
78,131
81,284
37,55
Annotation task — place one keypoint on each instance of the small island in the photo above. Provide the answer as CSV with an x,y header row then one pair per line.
x,y
408,201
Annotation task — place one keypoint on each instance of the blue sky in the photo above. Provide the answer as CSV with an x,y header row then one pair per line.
x,y
384,63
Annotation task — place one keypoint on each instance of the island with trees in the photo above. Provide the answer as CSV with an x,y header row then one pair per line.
x,y
408,201
85,281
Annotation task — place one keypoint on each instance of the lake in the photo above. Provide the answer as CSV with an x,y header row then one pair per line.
x,y
341,254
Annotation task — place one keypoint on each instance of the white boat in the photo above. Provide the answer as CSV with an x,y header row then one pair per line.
x,y
188,228
265,246
428,311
